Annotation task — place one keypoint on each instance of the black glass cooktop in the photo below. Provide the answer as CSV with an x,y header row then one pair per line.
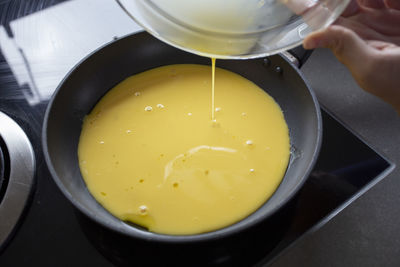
x,y
40,41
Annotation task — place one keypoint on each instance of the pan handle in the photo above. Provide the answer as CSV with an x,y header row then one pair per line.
x,y
297,56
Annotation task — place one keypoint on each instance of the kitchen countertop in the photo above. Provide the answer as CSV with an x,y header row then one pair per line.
x,y
367,232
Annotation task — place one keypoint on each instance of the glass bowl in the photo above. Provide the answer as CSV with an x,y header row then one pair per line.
x,y
234,29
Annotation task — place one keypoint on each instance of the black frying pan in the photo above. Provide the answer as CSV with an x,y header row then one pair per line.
x,y
108,66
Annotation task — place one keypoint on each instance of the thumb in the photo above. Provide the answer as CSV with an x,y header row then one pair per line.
x,y
347,46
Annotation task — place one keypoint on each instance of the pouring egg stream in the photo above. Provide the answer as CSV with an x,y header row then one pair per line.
x,y
151,154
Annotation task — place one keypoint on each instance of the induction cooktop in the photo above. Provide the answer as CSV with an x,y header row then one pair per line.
x,y
40,41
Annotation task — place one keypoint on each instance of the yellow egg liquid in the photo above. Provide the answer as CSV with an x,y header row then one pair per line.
x,y
213,88
150,154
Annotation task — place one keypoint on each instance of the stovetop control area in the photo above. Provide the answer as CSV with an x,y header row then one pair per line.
x,y
17,171
2,170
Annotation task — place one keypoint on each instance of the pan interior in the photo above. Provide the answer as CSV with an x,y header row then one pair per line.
x,y
101,71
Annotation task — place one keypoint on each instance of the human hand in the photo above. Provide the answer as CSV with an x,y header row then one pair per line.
x,y
366,39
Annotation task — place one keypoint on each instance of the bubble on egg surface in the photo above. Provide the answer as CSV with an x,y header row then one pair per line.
x,y
249,142
143,210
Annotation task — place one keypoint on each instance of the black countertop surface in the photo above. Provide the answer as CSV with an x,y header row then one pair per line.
x,y
366,233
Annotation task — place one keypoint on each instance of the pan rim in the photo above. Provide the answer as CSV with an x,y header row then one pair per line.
x,y
227,231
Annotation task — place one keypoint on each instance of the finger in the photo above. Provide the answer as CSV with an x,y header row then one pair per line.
x,y
362,59
377,4
366,33
351,9
384,27
395,4
347,46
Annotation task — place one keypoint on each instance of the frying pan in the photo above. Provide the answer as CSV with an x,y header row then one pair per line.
x,y
94,76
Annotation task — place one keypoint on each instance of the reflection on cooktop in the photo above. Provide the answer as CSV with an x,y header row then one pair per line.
x,y
42,47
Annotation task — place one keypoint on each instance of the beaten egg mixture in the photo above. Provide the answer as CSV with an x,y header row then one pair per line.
x,y
152,154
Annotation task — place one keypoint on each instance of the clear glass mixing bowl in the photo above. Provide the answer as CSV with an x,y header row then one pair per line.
x,y
235,29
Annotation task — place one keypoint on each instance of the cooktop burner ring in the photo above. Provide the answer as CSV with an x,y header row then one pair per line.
x,y
21,162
